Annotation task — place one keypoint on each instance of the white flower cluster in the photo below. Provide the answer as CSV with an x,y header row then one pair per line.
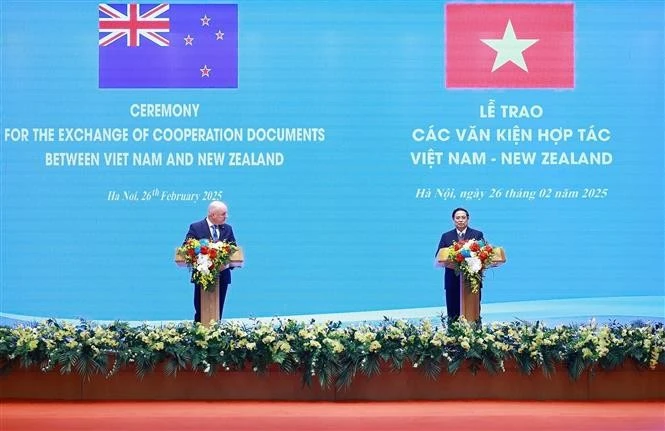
x,y
203,263
475,265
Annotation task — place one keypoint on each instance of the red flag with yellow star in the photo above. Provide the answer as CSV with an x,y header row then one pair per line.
x,y
504,45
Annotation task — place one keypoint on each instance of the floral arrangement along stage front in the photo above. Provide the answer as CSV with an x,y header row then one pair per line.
x,y
206,259
329,352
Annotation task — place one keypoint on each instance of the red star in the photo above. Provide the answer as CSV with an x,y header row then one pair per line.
x,y
220,35
205,20
188,40
205,72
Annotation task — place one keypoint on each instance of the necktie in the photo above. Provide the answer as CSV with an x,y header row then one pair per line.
x,y
460,236
215,232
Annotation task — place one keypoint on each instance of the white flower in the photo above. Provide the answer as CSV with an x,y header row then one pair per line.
x,y
203,264
203,259
474,263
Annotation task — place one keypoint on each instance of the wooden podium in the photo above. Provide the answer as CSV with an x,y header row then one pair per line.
x,y
469,302
210,298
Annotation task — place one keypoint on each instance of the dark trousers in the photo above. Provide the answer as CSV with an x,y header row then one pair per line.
x,y
452,302
197,300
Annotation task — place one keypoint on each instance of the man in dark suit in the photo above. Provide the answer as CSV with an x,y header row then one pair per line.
x,y
462,232
214,228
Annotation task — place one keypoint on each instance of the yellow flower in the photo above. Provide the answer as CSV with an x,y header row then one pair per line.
x,y
647,343
336,346
314,343
282,346
364,337
72,344
374,346
303,333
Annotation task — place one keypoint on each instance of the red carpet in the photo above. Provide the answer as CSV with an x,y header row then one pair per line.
x,y
293,416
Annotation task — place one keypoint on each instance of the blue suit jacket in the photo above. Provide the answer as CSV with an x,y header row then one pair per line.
x,y
447,239
200,230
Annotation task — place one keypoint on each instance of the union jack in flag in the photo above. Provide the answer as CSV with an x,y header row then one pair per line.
x,y
133,24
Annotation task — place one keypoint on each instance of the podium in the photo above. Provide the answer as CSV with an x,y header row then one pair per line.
x,y
469,301
210,298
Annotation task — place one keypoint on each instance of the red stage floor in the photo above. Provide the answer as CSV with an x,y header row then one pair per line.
x,y
295,416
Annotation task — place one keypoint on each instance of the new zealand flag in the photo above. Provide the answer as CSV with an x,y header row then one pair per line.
x,y
168,46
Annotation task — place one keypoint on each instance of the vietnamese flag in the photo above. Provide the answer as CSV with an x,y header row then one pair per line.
x,y
508,45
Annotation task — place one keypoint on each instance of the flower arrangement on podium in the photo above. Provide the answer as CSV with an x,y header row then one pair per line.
x,y
206,259
470,259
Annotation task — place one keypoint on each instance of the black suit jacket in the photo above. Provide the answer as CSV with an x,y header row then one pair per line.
x,y
200,230
447,239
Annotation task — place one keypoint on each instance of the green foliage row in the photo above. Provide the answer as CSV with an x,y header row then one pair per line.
x,y
329,352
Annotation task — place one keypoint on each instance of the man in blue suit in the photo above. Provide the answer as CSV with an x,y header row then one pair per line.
x,y
214,228
462,232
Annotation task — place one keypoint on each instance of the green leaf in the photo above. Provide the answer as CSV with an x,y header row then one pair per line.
x,y
455,364
431,369
576,367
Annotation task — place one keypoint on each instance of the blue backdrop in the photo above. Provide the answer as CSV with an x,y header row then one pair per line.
x,y
347,219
